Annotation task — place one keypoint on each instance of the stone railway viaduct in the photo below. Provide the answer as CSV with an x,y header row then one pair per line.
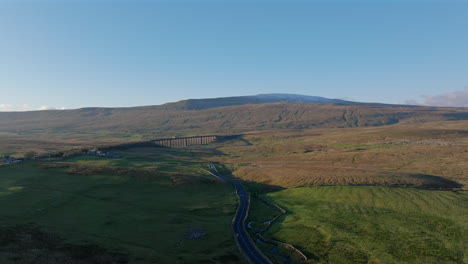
x,y
185,141
171,142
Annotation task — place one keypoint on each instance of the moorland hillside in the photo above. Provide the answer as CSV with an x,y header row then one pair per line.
x,y
223,115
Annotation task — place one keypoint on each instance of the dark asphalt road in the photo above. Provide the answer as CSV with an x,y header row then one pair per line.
x,y
241,235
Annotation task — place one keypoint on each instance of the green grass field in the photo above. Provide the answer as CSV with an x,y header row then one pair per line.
x,y
374,224
150,221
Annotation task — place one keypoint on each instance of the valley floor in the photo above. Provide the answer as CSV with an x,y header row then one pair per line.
x,y
175,214
393,194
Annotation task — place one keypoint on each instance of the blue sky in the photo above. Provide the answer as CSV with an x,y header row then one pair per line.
x,y
93,53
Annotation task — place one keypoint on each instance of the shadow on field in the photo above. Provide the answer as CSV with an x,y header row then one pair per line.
x,y
457,116
26,244
234,138
436,182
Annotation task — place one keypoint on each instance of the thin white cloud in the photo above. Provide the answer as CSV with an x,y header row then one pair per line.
x,y
11,107
45,107
5,107
26,107
453,99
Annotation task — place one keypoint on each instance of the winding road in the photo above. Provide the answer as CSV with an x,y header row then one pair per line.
x,y
247,246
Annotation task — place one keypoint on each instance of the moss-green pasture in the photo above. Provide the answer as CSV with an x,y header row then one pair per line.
x,y
365,224
148,220
159,159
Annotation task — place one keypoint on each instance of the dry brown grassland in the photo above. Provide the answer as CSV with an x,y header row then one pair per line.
x,y
430,155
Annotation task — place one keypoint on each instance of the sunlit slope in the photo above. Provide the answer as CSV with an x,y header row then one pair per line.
x,y
430,155
374,224
231,119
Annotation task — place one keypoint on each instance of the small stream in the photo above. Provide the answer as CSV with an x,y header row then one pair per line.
x,y
274,250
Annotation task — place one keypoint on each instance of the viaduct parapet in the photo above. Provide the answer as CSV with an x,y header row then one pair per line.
x,y
185,141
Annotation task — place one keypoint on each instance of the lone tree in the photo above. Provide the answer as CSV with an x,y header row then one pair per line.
x,y
30,155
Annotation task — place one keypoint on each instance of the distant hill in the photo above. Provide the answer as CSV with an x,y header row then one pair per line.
x,y
199,104
224,115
